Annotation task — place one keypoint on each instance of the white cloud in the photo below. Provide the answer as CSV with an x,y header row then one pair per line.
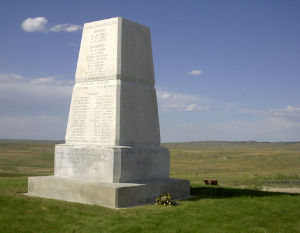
x,y
65,28
52,81
34,108
39,24
10,78
195,72
172,101
281,124
289,113
165,95
40,127
269,129
72,44
45,80
191,107
15,80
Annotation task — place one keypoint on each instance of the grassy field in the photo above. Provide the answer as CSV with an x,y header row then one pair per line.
x,y
247,164
226,208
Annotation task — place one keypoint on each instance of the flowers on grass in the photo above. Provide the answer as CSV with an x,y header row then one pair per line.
x,y
165,199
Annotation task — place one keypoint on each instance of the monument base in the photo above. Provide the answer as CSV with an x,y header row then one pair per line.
x,y
112,195
115,164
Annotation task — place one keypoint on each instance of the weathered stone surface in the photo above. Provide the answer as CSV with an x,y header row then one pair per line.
x,y
114,100
115,48
138,123
111,164
99,55
112,195
136,53
112,156
92,117
113,113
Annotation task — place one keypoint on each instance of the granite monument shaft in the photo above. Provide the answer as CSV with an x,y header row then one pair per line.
x,y
112,154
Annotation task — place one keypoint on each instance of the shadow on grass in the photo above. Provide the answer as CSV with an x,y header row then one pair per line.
x,y
222,192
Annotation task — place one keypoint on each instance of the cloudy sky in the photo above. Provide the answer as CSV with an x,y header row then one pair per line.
x,y
225,70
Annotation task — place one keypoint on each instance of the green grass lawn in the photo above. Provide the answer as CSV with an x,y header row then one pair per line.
x,y
212,209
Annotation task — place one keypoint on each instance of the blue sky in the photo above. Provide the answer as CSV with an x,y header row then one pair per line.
x,y
225,70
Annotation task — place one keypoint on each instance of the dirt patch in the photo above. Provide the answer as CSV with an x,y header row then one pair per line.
x,y
281,190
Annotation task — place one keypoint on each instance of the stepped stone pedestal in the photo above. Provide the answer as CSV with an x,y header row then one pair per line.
x,y
112,156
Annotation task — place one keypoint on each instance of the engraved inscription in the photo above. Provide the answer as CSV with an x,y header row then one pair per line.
x,y
93,113
88,162
98,52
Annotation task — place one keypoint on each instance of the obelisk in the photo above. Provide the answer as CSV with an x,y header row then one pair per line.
x,y
112,155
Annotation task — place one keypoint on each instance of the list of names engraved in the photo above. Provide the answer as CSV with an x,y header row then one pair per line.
x,y
92,118
98,51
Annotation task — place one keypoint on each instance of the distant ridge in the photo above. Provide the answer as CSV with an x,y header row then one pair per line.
x,y
32,140
182,143
228,142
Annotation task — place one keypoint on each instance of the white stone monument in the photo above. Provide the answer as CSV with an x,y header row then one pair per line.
x,y
112,155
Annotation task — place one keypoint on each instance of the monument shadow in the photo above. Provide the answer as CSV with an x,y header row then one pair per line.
x,y
209,192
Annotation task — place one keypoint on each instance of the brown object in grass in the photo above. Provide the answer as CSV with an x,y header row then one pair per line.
x,y
211,182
